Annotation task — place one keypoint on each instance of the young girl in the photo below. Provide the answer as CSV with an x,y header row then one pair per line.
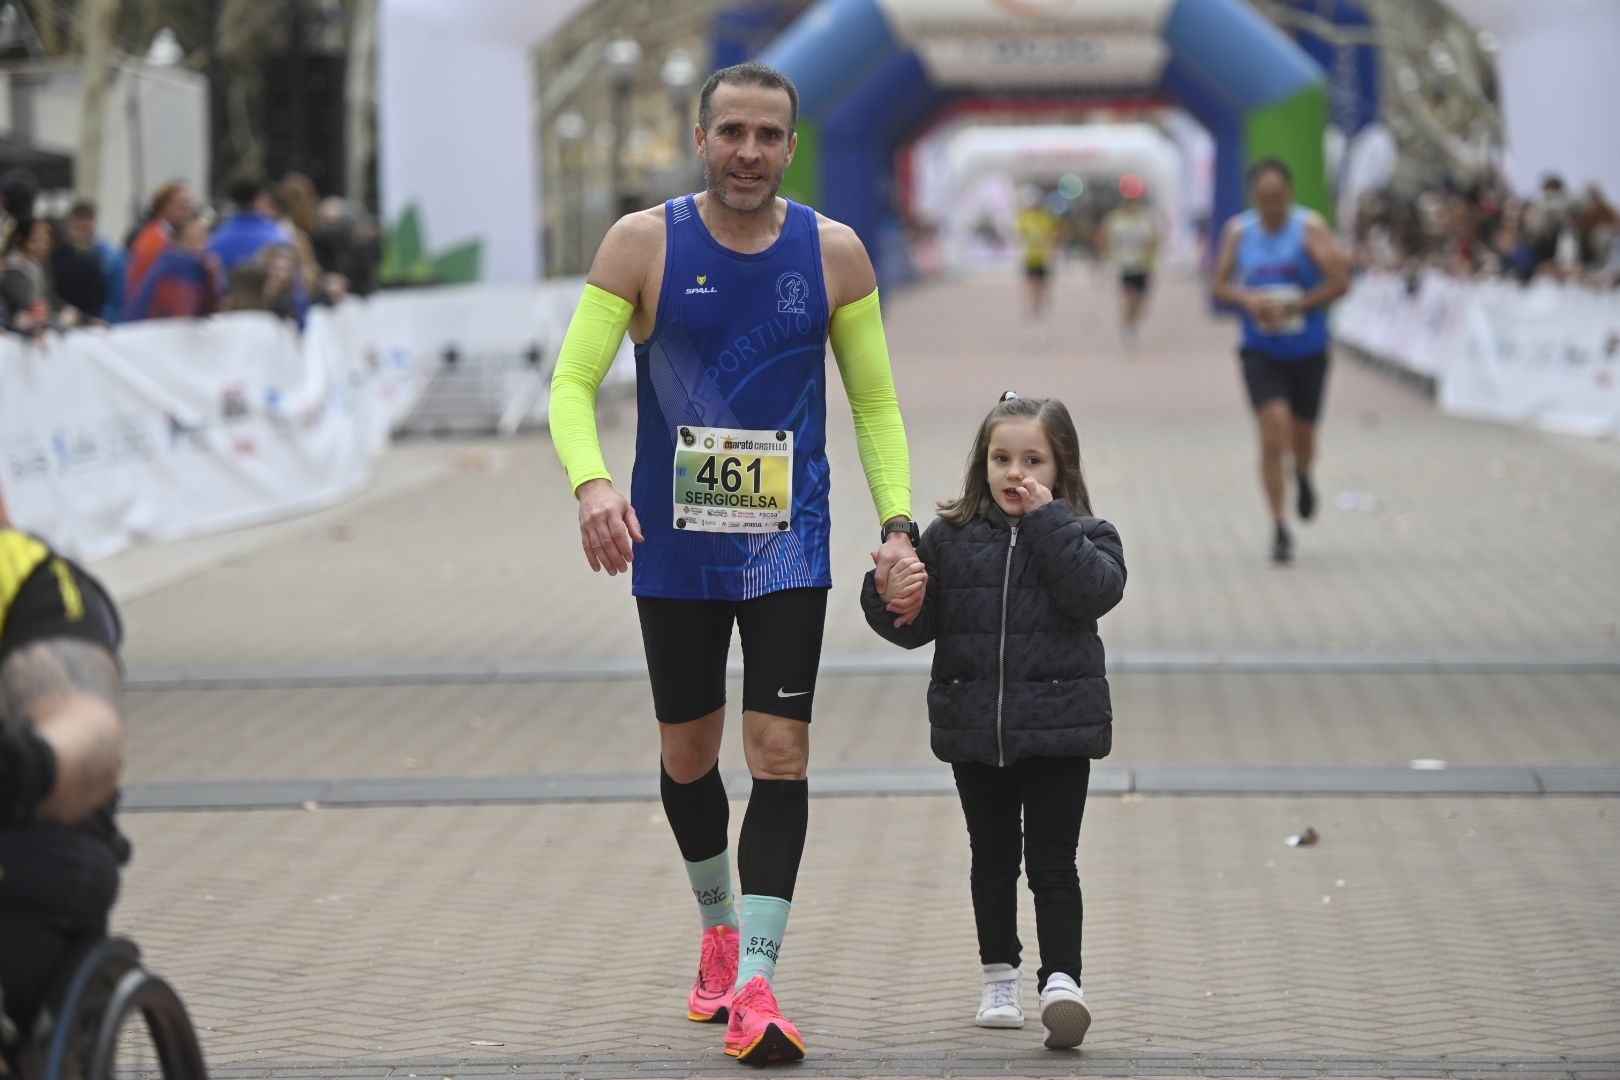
x,y
1016,572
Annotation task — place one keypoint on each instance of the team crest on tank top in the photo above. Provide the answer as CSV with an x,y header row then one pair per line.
x,y
731,480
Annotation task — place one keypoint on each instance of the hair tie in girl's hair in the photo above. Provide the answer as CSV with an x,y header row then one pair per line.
x,y
1009,395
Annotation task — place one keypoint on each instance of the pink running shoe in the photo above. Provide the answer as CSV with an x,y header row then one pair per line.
x,y
758,1032
710,1001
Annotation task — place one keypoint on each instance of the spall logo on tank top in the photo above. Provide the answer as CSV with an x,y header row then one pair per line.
x,y
703,287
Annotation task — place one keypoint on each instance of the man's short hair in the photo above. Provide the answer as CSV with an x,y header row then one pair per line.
x,y
84,208
1271,164
245,191
749,74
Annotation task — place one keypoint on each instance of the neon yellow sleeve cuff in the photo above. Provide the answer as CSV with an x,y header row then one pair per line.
x,y
588,349
856,332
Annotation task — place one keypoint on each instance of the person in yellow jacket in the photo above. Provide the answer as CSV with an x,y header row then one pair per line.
x,y
61,752
1038,230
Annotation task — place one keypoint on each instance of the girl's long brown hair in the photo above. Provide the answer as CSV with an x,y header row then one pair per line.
x,y
1053,416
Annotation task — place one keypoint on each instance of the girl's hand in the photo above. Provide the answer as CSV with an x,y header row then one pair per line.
x,y
906,598
1036,494
904,578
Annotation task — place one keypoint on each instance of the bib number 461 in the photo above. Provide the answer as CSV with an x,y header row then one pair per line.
x,y
729,475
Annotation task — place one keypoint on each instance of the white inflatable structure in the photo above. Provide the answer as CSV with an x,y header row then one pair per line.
x,y
456,124
975,172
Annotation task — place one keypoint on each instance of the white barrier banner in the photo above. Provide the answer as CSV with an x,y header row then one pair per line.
x,y
171,429
174,428
1546,355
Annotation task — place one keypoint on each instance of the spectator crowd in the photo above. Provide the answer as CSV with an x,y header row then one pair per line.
x,y
1482,230
275,248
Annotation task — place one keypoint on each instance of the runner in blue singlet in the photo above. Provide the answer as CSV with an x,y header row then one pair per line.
x,y
732,296
1280,267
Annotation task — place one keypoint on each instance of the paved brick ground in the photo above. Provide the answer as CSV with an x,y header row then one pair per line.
x,y
1417,927
1193,719
1468,937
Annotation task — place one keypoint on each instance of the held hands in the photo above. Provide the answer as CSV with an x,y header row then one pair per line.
x,y
607,526
901,579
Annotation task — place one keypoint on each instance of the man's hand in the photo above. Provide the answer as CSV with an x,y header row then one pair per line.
x,y
895,550
607,526
1036,494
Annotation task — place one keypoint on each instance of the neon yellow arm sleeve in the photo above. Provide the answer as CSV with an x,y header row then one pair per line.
x,y
588,349
863,362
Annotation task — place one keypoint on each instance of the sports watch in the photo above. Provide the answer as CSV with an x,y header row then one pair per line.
x,y
906,526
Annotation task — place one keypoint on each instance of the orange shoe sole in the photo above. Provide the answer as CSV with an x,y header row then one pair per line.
x,y
719,1016
773,1046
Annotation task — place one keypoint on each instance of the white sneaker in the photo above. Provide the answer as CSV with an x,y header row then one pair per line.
x,y
1000,1007
1064,1012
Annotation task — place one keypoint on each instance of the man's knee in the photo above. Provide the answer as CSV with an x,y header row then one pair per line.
x,y
690,750
1276,430
778,748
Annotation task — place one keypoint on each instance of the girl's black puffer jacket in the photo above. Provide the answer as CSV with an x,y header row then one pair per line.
x,y
1012,608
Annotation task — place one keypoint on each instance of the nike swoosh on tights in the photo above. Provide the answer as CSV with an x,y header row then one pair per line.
x,y
781,692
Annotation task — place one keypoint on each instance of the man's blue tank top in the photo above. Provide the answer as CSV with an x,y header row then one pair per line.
x,y
739,343
1278,261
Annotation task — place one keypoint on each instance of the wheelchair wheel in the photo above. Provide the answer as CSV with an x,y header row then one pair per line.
x,y
130,1052
71,1020
113,1019
145,1034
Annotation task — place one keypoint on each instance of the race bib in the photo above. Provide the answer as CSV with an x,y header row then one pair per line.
x,y
728,480
1282,294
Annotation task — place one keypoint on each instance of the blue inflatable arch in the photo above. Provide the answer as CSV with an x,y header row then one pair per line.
x,y
863,93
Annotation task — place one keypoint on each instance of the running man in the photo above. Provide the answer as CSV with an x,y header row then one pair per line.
x,y
730,296
1280,266
1130,239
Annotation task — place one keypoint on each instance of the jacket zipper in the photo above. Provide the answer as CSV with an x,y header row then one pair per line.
x,y
1001,676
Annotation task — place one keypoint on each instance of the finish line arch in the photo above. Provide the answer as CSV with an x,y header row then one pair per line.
x,y
871,73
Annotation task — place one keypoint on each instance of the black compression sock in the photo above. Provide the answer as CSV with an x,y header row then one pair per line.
x,y
698,813
772,840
